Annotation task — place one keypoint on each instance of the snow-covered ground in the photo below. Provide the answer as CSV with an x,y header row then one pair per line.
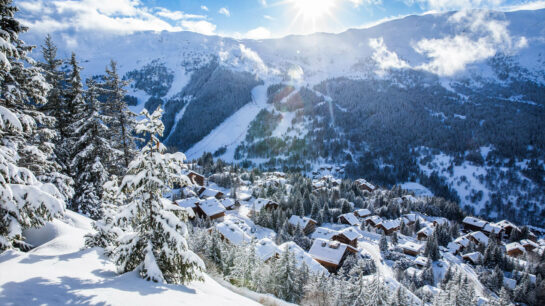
x,y
60,271
417,188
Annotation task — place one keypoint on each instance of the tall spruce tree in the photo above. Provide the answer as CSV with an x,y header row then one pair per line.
x,y
155,239
24,201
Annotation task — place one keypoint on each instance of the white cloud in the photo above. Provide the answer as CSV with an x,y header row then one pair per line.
x,y
530,5
268,17
200,26
204,8
176,15
358,3
224,11
447,5
263,2
385,59
258,33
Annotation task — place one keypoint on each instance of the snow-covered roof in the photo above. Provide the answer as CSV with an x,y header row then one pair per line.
x,y
328,251
350,218
410,217
411,246
324,233
350,233
412,271
363,212
473,256
390,224
375,219
232,232
188,202
228,202
506,223
453,247
364,182
266,249
260,203
301,221
492,228
243,196
438,220
211,206
421,260
303,257
474,221
462,240
514,245
428,231
480,236
529,242
208,192
509,283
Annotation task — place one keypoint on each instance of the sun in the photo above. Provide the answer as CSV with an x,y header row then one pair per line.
x,y
313,9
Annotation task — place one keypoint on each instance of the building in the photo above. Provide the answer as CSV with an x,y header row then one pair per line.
x,y
411,248
323,233
507,227
210,208
494,229
514,249
302,257
266,249
232,233
421,261
410,219
350,219
473,224
529,245
389,226
230,204
308,225
474,257
373,220
478,238
205,193
330,254
362,184
424,233
196,178
362,213
348,236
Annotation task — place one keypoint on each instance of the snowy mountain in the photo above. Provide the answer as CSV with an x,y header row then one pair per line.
x,y
453,101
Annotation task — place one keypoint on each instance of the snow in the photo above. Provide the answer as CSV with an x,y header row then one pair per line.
x,y
421,261
480,236
232,232
362,212
228,202
211,207
188,202
428,231
208,192
328,251
351,218
474,221
411,246
303,257
473,256
267,249
390,224
514,245
323,233
417,189
350,233
259,203
302,222
59,271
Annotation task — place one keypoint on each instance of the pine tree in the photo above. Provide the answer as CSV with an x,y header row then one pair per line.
x,y
432,249
155,239
285,278
121,120
383,244
25,201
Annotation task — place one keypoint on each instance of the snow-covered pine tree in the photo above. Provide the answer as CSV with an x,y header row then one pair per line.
x,y
155,238
24,201
285,278
91,155
383,243
121,120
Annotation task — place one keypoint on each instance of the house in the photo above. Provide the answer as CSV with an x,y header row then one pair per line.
x,y
266,249
411,248
260,203
507,227
463,242
210,208
421,261
478,238
473,257
413,272
232,233
389,226
209,192
529,245
454,247
362,213
439,221
348,236
424,233
330,254
514,249
196,178
373,220
302,257
349,218
308,225
230,203
473,224
189,203
494,229
362,184
323,233
410,219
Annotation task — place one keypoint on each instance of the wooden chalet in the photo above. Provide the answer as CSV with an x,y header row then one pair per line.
x,y
210,208
529,245
514,249
196,178
389,226
348,236
373,220
230,204
350,219
330,254
362,184
308,225
205,192
231,232
424,233
472,224
362,213
411,248
507,227
474,258
478,237
266,249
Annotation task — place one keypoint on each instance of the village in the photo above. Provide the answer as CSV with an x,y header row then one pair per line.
x,y
360,233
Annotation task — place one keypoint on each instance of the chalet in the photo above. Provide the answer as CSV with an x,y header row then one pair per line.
x,y
362,184
308,225
529,245
187,192
424,233
410,219
209,192
411,248
463,242
302,257
473,224
210,208
421,261
348,236
413,272
230,204
349,218
454,247
389,226
439,221
330,254
478,238
264,203
362,213
323,233
232,233
196,178
266,249
373,220
514,249
507,227
493,229
532,236
473,257
189,203
241,196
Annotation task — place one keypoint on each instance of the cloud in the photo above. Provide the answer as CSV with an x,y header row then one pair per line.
x,y
224,11
204,8
482,35
385,59
258,33
448,5
268,17
176,15
358,3
263,2
200,26
530,5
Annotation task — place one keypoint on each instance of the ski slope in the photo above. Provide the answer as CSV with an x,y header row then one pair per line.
x,y
60,271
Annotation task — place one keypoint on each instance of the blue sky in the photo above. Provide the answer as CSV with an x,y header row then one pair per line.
x,y
236,18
